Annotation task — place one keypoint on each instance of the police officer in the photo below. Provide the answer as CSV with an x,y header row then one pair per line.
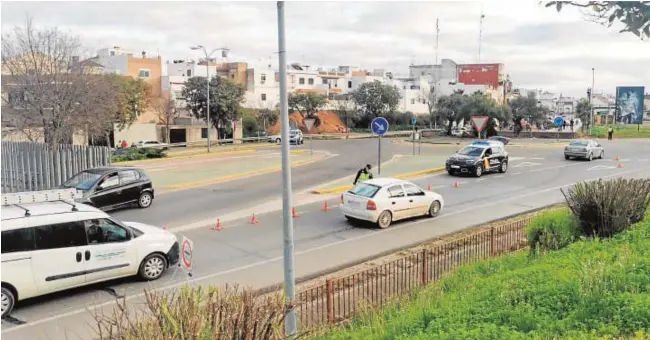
x,y
363,175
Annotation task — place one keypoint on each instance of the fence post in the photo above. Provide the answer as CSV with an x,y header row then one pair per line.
x,y
424,273
330,302
492,243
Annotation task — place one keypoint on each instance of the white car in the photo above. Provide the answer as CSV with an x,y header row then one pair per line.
x,y
384,200
50,243
152,144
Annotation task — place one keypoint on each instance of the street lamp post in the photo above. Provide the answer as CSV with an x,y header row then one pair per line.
x,y
207,74
591,107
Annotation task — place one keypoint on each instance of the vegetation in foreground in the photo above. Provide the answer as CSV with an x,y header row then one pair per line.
x,y
621,131
136,154
593,288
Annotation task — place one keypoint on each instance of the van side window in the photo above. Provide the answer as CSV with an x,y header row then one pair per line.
x,y
103,230
62,235
17,240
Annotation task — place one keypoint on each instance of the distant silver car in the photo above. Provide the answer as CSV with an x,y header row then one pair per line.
x,y
585,149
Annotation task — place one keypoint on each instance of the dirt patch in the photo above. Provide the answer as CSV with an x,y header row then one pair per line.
x,y
329,123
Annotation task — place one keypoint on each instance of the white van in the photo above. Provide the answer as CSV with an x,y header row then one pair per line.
x,y
50,243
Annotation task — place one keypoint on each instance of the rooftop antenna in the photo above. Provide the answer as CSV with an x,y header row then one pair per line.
x,y
480,33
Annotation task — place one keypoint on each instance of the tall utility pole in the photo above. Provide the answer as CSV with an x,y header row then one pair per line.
x,y
207,76
480,34
290,321
591,107
437,40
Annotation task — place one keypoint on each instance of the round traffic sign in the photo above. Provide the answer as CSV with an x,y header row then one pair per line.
x,y
186,254
379,126
558,121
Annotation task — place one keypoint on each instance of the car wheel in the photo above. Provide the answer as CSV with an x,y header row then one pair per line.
x,y
278,140
145,200
567,157
434,209
591,157
479,171
504,167
602,154
152,267
385,219
7,301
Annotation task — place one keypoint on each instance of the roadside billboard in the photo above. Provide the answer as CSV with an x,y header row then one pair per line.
x,y
480,74
629,104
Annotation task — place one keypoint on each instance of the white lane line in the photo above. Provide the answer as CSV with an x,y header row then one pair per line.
x,y
480,179
536,170
642,160
516,173
306,251
499,176
538,158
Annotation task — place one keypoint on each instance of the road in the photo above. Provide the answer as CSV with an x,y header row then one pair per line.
x,y
252,254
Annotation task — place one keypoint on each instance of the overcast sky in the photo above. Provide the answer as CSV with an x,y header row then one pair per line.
x,y
539,47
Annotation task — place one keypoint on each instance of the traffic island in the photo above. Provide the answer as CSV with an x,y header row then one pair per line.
x,y
402,167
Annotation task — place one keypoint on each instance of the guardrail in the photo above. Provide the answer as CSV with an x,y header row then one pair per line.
x,y
341,298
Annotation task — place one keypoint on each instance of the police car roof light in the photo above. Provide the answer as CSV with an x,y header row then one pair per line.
x,y
480,142
56,195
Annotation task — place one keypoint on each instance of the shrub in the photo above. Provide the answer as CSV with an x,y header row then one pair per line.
x,y
605,208
135,154
196,313
551,230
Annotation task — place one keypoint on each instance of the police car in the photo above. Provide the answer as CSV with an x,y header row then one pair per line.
x,y
478,158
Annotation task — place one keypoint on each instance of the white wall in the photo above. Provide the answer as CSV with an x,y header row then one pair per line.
x,y
136,133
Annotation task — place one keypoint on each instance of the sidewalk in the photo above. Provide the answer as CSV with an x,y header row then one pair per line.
x,y
402,167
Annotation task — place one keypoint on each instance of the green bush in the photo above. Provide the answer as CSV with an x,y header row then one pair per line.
x,y
592,289
605,208
135,154
552,230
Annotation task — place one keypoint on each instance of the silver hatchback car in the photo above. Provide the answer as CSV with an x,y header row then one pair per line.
x,y
585,149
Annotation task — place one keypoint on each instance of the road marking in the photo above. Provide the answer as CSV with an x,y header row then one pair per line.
x,y
480,179
642,160
526,164
306,251
516,158
537,158
516,173
499,176
536,170
601,167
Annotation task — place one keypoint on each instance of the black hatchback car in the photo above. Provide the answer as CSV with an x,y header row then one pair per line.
x,y
113,187
478,158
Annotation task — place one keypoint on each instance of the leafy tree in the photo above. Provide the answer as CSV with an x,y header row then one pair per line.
x,y
374,99
478,104
267,117
346,110
167,110
450,108
307,104
429,98
225,100
528,108
133,98
634,15
583,112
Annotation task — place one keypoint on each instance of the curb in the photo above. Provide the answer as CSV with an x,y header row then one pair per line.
x,y
199,155
221,179
406,175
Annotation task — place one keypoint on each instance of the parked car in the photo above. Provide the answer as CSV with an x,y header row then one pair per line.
x,y
295,137
51,244
585,148
504,140
152,144
384,200
461,132
113,187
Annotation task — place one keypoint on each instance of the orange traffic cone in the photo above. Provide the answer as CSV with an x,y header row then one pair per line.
x,y
164,227
218,226
429,187
326,207
616,158
294,213
254,220
456,184
620,165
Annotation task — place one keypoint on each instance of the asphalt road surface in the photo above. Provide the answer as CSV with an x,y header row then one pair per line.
x,y
252,254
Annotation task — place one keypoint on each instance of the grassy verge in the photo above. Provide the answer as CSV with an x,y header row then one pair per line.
x,y
590,289
621,131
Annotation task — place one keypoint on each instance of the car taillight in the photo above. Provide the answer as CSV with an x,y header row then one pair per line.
x,y
371,206
341,198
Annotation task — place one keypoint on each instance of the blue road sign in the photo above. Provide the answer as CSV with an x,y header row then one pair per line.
x,y
379,126
413,121
558,121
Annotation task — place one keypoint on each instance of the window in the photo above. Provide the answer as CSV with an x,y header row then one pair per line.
x,y
204,132
301,81
263,96
129,176
396,191
488,152
364,190
324,81
103,230
144,73
17,240
109,181
82,181
62,235
189,73
349,84
412,100
263,79
311,81
412,190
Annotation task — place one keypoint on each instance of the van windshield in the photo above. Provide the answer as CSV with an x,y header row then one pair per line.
x,y
364,190
82,181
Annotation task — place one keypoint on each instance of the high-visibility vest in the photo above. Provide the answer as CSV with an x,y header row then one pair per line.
x,y
364,177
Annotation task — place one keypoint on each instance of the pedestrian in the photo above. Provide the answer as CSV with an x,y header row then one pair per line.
x,y
610,133
571,124
563,125
363,175
125,144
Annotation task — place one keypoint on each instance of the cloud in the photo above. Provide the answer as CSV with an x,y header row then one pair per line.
x,y
539,47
